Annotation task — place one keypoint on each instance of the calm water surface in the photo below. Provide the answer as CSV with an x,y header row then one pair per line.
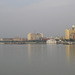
x,y
37,59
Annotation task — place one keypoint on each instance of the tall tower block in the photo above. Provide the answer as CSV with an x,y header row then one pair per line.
x,y
68,32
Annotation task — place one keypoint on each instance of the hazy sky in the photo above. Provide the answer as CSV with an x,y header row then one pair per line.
x,y
50,17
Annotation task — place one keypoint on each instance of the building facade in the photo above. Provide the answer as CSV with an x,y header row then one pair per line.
x,y
33,36
72,36
51,41
69,32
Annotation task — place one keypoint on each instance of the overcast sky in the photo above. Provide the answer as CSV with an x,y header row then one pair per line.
x,y
50,17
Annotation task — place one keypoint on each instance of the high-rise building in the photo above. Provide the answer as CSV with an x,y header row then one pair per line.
x,y
33,36
73,27
69,32
72,36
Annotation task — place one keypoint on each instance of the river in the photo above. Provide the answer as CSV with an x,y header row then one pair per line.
x,y
37,59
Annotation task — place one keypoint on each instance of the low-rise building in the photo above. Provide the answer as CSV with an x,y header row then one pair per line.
x,y
51,41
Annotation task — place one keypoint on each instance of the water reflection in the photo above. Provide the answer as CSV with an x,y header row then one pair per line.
x,y
70,52
35,50
37,59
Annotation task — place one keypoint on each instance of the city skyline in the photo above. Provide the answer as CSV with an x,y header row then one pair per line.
x,y
20,17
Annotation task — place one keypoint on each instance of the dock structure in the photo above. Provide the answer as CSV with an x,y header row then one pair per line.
x,y
12,42
23,42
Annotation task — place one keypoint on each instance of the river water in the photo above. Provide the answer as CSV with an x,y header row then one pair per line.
x,y
37,59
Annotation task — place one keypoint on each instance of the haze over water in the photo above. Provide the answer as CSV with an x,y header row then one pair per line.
x,y
37,59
